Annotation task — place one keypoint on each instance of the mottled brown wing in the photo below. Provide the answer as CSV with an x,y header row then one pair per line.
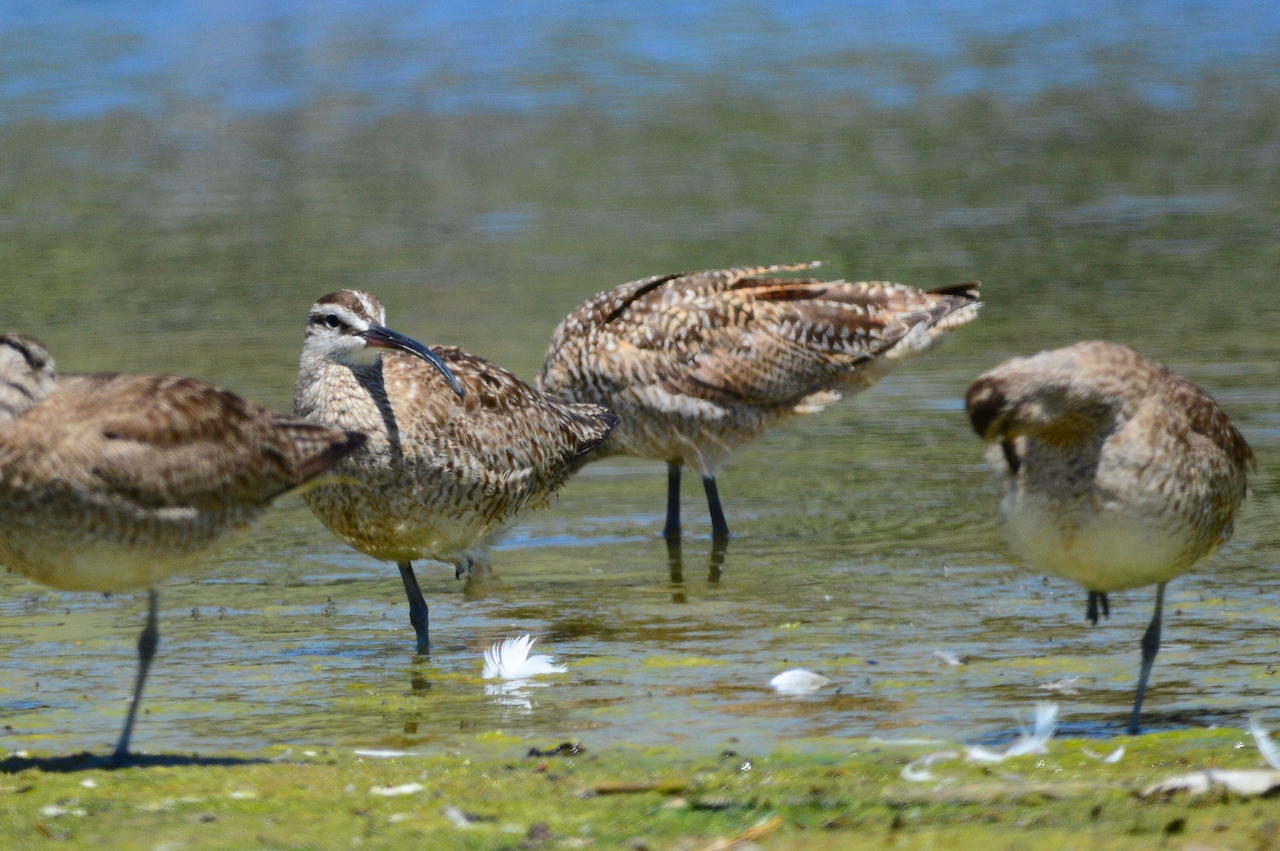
x,y
768,341
1206,418
501,423
626,301
165,441
637,303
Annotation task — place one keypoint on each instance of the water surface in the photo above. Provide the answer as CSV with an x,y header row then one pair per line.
x,y
190,230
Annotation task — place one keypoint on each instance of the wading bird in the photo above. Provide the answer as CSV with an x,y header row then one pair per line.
x,y
113,482
695,365
458,447
1117,472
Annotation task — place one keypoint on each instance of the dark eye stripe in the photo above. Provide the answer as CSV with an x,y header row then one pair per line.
x,y
329,320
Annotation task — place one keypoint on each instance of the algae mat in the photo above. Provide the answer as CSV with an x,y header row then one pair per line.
x,y
503,792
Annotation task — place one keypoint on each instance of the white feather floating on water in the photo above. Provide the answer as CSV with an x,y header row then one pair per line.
x,y
509,659
1035,741
798,681
1065,686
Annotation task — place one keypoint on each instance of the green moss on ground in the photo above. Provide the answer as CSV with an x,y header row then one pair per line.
x,y
492,794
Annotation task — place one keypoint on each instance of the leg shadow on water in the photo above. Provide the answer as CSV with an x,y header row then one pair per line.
x,y
675,563
86,761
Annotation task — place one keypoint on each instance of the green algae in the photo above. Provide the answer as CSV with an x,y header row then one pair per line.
x,y
494,793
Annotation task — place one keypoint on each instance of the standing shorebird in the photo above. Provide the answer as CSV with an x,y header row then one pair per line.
x,y
1117,472
458,447
113,482
695,365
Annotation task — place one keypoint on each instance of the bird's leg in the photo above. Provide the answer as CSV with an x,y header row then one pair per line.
x,y
715,562
675,564
1096,599
482,582
675,560
719,529
672,530
1150,647
417,606
148,641
464,567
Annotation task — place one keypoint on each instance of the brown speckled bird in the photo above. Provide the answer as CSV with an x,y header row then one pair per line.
x,y
1117,472
458,447
27,375
112,482
695,365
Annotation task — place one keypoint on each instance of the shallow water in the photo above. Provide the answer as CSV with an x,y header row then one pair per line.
x,y
865,540
857,566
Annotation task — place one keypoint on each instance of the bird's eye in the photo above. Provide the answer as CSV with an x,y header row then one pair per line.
x,y
333,321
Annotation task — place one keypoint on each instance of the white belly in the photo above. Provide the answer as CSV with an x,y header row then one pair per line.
x,y
1108,549
100,568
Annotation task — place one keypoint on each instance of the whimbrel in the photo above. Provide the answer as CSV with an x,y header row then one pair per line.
x,y
1117,472
458,447
695,365
112,482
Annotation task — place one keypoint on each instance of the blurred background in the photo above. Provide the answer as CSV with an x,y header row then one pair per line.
x,y
180,181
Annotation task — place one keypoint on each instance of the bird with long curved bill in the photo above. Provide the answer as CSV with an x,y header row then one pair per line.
x,y
459,447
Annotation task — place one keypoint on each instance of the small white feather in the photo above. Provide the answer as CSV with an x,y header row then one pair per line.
x,y
918,771
1065,686
394,791
509,659
798,681
1113,757
379,753
1263,740
1033,742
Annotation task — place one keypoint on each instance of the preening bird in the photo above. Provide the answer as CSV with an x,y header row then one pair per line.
x,y
695,365
1116,471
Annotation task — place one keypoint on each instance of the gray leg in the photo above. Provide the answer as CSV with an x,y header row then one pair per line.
x,y
417,606
719,529
147,643
672,530
1150,647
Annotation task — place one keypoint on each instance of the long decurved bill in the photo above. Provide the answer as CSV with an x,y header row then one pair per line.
x,y
384,338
